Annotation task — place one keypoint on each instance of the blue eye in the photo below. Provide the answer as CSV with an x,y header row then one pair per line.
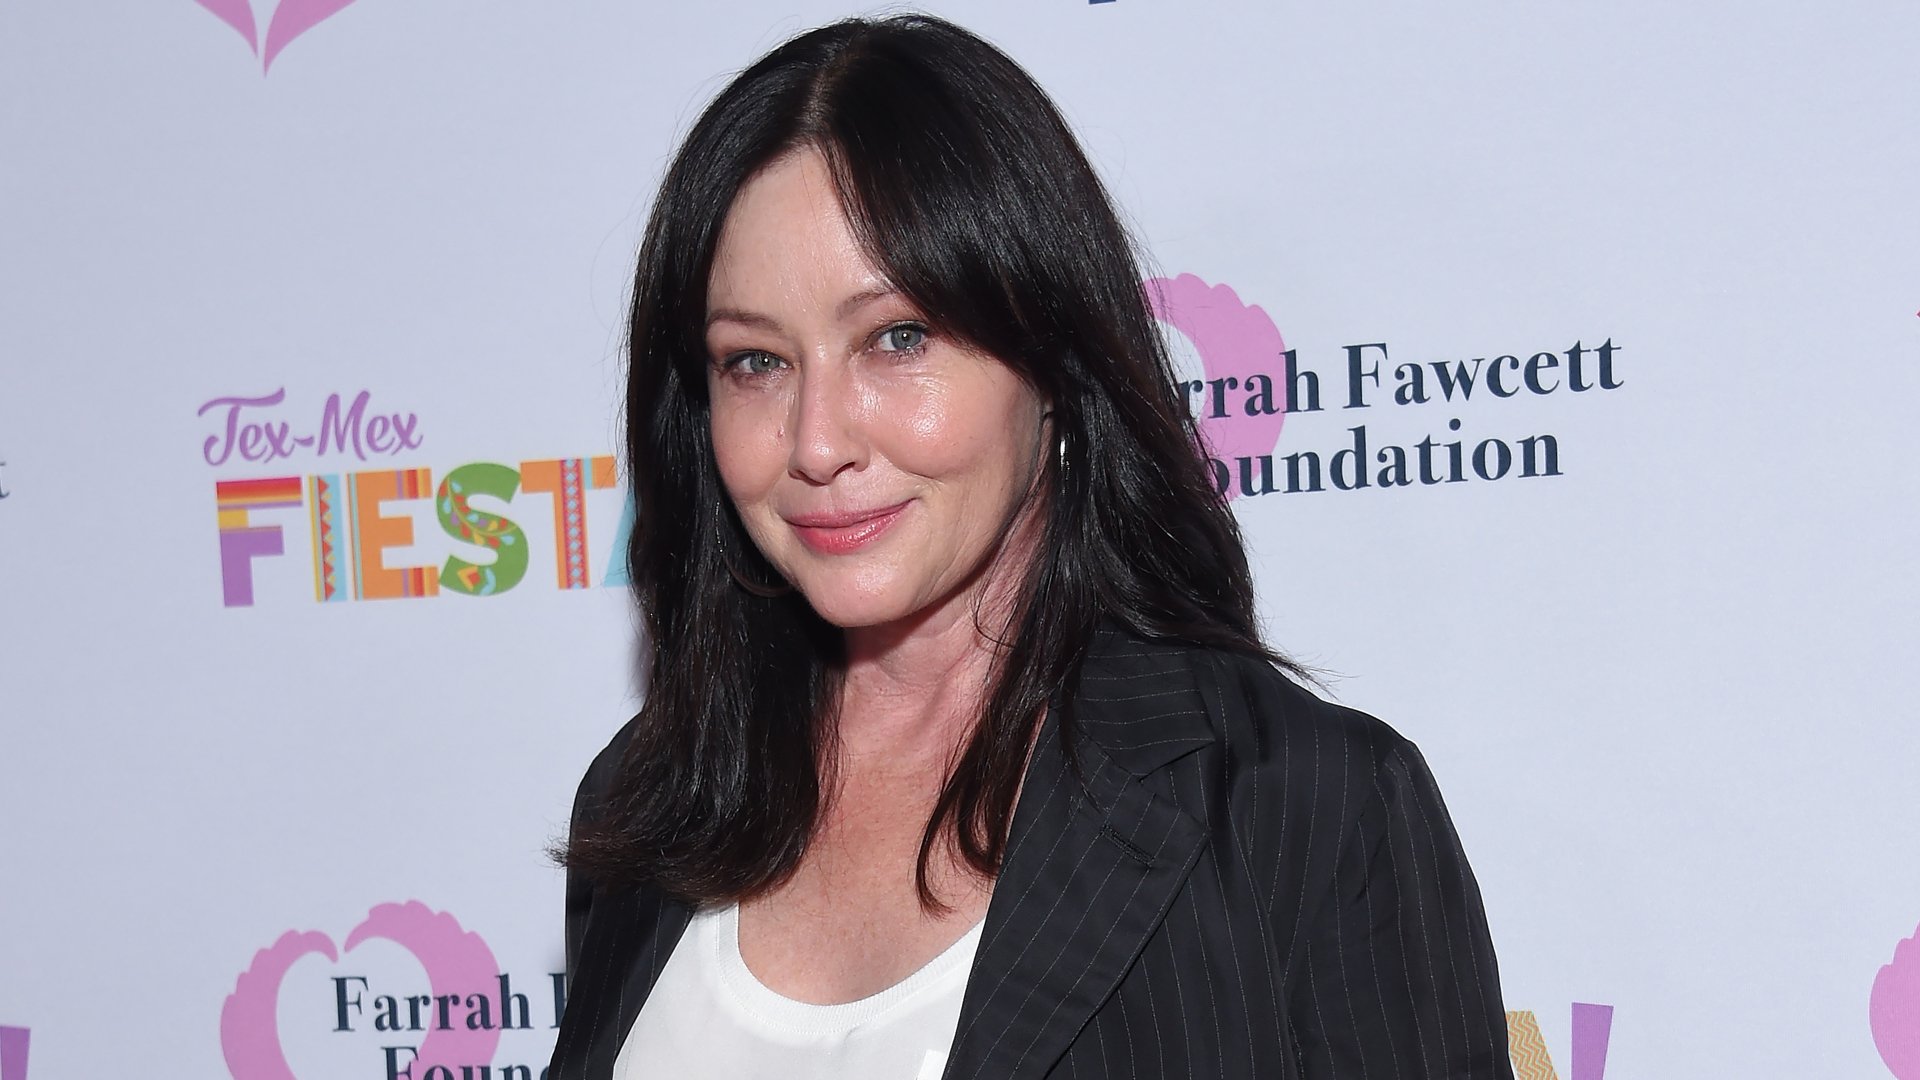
x,y
906,337
754,363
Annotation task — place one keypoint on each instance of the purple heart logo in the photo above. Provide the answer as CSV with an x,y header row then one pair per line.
x,y
456,961
13,1053
290,19
1238,343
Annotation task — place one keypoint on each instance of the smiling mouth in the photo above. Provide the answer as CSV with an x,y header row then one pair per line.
x,y
842,533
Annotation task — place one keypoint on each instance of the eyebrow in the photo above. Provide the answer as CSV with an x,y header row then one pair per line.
x,y
766,322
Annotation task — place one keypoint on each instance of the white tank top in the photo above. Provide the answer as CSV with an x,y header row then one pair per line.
x,y
710,1018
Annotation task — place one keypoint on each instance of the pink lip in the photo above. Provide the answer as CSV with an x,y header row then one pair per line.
x,y
844,531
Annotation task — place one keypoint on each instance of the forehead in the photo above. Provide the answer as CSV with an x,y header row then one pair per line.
x,y
786,240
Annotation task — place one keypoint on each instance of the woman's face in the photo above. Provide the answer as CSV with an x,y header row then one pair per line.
x,y
874,462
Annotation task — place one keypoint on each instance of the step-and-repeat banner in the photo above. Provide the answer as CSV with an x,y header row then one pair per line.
x,y
1600,326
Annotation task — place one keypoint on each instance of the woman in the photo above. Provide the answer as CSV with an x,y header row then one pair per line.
x,y
961,754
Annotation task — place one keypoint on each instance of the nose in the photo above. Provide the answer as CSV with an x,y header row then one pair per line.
x,y
828,437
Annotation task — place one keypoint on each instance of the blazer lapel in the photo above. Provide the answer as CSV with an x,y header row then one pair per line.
x,y
1089,875
628,938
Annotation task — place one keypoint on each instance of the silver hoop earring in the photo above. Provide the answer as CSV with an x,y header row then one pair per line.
x,y
1059,437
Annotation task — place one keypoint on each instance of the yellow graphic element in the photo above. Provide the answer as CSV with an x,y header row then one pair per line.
x,y
1529,1048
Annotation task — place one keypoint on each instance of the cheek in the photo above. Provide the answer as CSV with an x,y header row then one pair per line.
x,y
967,435
927,430
746,448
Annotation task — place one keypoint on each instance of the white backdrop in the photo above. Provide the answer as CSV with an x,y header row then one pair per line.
x,y
1666,681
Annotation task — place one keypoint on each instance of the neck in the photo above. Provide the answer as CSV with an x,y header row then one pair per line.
x,y
915,687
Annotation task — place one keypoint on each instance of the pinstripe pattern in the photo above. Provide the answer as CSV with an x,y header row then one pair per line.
x,y
1252,883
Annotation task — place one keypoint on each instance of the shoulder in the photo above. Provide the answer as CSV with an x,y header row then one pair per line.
x,y
589,803
1150,700
1346,770
1299,791
1273,764
1323,799
596,786
1311,805
1262,711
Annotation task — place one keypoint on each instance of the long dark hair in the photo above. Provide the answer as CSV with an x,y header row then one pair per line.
x,y
966,187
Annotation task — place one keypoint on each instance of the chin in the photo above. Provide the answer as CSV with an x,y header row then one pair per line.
x,y
854,604
853,612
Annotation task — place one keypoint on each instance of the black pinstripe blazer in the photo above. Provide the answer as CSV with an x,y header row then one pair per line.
x,y
1254,883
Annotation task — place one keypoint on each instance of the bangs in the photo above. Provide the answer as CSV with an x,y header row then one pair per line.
x,y
921,160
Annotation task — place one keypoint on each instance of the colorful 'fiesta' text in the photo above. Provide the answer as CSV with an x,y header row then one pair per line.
x,y
346,515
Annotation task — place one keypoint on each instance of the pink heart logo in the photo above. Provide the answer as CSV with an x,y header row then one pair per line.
x,y
290,19
1893,1012
456,961
1237,342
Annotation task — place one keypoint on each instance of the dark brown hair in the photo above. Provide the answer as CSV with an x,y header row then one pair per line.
x,y
968,190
